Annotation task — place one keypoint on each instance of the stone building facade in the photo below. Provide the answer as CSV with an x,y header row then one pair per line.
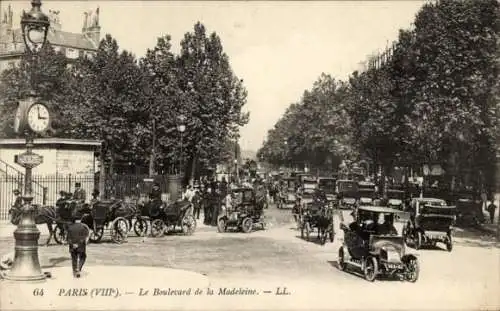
x,y
71,44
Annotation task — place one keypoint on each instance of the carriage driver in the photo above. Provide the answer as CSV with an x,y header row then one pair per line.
x,y
79,195
155,199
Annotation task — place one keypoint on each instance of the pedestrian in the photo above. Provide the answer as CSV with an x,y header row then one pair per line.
x,y
79,195
207,202
188,194
78,237
491,210
197,200
95,197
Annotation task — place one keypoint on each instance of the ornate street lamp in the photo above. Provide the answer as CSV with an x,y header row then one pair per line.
x,y
32,116
35,26
181,127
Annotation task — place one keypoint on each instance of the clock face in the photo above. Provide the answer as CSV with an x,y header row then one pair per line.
x,y
38,117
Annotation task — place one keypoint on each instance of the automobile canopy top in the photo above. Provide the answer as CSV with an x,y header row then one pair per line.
x,y
378,209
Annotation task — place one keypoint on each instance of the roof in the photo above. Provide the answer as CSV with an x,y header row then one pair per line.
x,y
327,178
366,183
378,209
55,37
347,180
395,191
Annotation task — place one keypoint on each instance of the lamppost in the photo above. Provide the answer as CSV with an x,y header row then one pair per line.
x,y
285,142
181,127
32,117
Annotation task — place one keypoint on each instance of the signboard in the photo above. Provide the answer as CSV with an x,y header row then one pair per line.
x,y
28,160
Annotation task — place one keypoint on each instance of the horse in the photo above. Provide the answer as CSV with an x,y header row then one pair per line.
x,y
43,215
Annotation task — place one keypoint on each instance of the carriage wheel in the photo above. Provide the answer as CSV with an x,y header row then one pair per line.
x,y
322,236
141,227
449,243
419,241
60,235
119,230
96,235
157,228
188,224
341,260
331,233
246,225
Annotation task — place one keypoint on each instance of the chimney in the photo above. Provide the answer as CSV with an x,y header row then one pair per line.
x,y
91,28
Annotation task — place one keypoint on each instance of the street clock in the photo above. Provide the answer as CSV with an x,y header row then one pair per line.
x,y
38,117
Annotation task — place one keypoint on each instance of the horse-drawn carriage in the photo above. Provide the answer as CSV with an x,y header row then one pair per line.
x,y
243,213
66,210
319,215
113,215
163,218
374,246
430,222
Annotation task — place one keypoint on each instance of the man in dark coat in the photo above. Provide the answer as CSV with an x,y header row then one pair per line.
x,y
79,195
78,236
155,200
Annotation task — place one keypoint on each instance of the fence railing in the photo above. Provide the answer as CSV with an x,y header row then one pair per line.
x,y
39,191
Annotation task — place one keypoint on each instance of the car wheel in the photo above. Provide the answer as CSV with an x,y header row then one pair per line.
x,y
221,225
412,270
449,243
246,225
371,268
341,260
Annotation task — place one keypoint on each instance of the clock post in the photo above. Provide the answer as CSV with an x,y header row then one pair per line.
x,y
26,265
31,117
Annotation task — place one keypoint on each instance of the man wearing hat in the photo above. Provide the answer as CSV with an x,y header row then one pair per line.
x,y
78,237
18,201
79,195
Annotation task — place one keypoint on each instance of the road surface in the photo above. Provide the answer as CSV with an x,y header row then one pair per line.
x,y
466,278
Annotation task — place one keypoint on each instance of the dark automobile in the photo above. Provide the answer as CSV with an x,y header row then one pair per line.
x,y
347,193
366,193
243,213
374,246
430,222
395,198
469,209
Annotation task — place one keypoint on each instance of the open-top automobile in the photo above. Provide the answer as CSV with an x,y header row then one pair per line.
x,y
430,222
244,212
372,244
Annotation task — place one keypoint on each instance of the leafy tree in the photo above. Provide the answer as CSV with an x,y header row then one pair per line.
x,y
213,99
45,74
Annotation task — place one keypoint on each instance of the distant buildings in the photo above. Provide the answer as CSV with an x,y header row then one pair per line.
x,y
71,44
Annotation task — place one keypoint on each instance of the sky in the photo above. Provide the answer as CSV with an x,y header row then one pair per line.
x,y
278,48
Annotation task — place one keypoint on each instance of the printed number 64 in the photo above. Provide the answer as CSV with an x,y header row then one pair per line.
x,y
38,292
